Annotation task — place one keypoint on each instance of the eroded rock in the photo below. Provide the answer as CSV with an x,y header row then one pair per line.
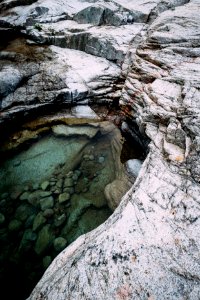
x,y
150,246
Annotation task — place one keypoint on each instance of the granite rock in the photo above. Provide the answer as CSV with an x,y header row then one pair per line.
x,y
149,247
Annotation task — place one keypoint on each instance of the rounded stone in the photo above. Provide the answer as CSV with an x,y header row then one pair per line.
x,y
59,244
63,197
133,166
101,159
46,203
48,213
44,185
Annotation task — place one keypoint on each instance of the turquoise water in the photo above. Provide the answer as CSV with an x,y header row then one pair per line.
x,y
51,192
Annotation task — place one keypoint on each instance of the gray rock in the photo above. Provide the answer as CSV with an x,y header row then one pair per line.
x,y
61,84
92,14
133,166
10,78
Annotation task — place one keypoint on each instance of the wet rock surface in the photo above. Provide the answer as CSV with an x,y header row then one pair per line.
x,y
144,55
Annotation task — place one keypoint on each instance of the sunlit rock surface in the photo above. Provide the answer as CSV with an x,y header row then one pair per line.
x,y
149,248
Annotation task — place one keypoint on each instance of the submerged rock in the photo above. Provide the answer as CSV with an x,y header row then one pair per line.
x,y
59,244
88,131
38,221
15,225
63,197
44,240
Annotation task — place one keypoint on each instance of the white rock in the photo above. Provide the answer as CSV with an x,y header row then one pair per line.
x,y
133,166
84,111
68,131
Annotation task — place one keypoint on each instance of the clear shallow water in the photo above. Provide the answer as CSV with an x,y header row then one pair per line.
x,y
51,192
